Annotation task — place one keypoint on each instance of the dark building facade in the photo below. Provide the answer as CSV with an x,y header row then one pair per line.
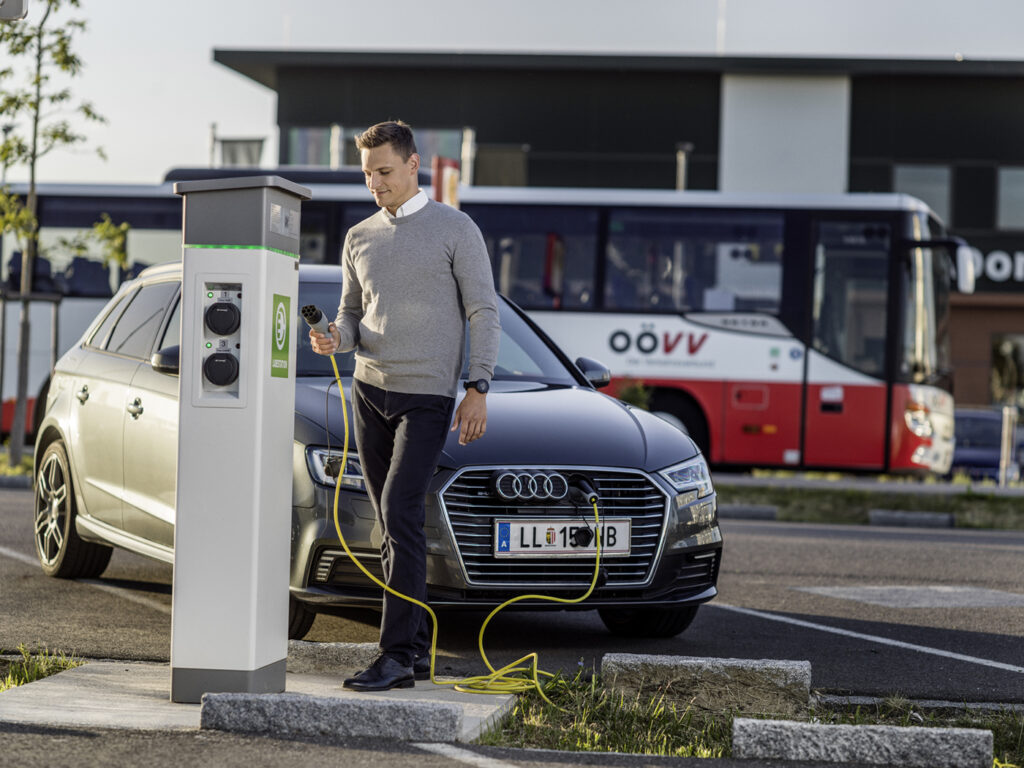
x,y
945,131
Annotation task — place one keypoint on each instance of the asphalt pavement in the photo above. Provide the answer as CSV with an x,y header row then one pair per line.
x,y
928,614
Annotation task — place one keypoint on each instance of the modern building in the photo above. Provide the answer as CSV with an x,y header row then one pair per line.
x,y
781,95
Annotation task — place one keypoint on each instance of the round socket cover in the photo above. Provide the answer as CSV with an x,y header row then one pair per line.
x,y
222,318
221,369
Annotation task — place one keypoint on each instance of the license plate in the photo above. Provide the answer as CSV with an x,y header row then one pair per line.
x,y
554,538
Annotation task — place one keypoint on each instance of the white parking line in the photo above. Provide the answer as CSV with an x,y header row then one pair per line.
x,y
464,756
21,558
127,594
871,638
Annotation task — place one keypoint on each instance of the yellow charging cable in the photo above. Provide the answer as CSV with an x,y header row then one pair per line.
x,y
512,678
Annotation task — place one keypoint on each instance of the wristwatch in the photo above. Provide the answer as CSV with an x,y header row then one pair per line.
x,y
480,385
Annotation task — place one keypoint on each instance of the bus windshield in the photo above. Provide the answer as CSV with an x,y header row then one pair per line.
x,y
925,356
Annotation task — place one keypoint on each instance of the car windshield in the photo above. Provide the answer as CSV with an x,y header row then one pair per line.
x,y
522,354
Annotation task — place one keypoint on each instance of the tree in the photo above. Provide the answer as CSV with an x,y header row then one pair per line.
x,y
44,110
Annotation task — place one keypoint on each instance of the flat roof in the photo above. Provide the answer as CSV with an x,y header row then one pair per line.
x,y
262,65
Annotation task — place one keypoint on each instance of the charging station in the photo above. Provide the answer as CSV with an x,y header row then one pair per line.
x,y
229,621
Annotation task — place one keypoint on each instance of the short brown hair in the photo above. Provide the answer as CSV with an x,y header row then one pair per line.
x,y
393,132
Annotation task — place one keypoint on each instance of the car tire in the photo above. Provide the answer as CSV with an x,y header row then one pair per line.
x,y
686,410
647,622
61,552
300,619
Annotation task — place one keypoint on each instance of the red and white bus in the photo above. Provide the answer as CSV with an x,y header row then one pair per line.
x,y
807,332
780,331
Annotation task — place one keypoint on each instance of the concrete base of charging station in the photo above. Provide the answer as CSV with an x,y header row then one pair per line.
x,y
136,696
862,744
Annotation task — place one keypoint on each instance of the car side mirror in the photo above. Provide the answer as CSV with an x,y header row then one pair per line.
x,y
594,372
166,360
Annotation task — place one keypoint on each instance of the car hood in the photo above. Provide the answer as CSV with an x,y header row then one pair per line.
x,y
528,423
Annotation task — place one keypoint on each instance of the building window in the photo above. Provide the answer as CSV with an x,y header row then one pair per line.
x,y
1010,208
931,183
312,146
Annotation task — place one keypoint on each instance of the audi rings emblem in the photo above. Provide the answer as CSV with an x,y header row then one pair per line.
x,y
530,486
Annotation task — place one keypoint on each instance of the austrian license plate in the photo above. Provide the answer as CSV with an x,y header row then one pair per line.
x,y
558,538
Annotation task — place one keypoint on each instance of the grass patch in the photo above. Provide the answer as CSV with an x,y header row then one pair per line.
x,y
590,718
24,469
33,666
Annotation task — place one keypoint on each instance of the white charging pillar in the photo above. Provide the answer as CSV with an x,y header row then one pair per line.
x,y
229,621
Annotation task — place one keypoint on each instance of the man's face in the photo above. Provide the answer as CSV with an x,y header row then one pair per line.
x,y
391,180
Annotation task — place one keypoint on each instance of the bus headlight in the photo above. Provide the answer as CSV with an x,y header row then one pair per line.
x,y
918,418
324,466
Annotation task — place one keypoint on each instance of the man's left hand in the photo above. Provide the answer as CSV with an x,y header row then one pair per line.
x,y
471,416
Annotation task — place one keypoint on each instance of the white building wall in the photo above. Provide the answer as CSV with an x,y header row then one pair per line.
x,y
784,134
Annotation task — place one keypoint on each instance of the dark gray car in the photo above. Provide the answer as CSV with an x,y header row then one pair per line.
x,y
502,518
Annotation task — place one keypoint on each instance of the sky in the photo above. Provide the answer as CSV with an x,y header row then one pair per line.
x,y
149,63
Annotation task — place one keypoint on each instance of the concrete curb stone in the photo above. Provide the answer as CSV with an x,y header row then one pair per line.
x,y
296,714
16,481
748,511
910,519
747,686
870,744
330,658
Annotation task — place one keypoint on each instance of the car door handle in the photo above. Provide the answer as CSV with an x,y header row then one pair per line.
x,y
135,408
82,394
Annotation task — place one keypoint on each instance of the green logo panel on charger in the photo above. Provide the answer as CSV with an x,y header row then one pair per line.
x,y
280,335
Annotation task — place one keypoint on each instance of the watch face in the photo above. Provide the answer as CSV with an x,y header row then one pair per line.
x,y
482,386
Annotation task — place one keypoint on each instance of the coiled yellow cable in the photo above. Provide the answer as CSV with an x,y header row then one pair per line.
x,y
517,677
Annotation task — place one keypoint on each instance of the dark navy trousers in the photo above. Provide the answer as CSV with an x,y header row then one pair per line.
x,y
399,438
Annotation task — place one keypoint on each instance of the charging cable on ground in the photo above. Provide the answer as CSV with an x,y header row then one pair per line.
x,y
520,675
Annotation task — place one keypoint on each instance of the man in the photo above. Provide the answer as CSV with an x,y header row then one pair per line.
x,y
412,275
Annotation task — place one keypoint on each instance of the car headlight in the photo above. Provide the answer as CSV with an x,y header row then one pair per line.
x,y
324,466
690,479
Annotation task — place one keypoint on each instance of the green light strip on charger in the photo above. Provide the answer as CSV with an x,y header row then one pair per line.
x,y
246,248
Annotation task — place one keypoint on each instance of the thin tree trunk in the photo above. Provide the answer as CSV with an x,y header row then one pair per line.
x,y
28,258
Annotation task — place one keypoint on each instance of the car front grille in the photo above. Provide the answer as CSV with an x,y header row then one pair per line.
x,y
472,507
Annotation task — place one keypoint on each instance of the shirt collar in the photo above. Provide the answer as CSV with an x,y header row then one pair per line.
x,y
409,207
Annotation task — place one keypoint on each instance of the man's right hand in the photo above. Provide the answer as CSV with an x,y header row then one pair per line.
x,y
324,344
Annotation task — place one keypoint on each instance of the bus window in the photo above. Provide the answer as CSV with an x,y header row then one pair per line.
x,y
850,294
543,257
679,261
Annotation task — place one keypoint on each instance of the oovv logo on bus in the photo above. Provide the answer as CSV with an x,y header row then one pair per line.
x,y
648,341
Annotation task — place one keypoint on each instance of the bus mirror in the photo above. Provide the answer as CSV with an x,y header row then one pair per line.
x,y
965,268
595,372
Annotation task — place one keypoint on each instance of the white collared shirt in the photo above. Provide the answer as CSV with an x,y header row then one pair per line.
x,y
409,207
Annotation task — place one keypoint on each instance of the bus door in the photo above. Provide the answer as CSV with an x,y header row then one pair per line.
x,y
845,390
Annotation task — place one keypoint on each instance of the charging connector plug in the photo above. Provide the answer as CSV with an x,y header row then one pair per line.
x,y
316,319
581,491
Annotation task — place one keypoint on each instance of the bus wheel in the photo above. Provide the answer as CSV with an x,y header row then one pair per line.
x,y
681,409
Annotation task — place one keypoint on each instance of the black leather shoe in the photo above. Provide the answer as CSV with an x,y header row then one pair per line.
x,y
421,667
383,675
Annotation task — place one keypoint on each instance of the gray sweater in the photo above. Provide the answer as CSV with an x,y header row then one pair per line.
x,y
409,285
